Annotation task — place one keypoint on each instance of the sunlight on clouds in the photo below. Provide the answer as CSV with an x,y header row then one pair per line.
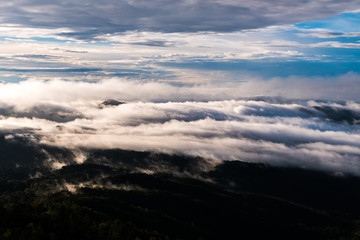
x,y
147,51
159,117
225,80
19,31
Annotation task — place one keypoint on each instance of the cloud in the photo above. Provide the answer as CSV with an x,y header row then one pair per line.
x,y
153,43
52,70
35,56
185,120
25,94
326,44
19,31
335,44
72,51
86,21
151,54
330,35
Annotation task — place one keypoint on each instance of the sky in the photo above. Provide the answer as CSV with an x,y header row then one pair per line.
x,y
260,81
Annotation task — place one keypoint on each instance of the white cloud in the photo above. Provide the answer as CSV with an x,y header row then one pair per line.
x,y
275,131
19,31
68,94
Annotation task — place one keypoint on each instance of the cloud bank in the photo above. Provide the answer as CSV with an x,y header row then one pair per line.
x,y
185,120
86,20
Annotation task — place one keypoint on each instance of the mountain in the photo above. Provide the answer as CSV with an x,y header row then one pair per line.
x,y
110,103
119,194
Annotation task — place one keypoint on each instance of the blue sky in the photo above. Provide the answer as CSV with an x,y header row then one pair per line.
x,y
209,42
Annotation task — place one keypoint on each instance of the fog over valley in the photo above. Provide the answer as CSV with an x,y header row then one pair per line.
x,y
311,134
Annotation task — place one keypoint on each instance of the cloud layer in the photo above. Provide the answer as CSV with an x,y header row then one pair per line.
x,y
88,19
163,118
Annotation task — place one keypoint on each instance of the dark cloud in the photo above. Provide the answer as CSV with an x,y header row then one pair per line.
x,y
52,70
92,18
331,35
154,43
339,114
72,51
36,56
46,111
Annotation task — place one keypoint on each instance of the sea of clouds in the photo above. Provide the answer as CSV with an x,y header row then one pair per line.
x,y
214,122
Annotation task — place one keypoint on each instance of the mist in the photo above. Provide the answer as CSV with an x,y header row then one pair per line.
x,y
160,117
